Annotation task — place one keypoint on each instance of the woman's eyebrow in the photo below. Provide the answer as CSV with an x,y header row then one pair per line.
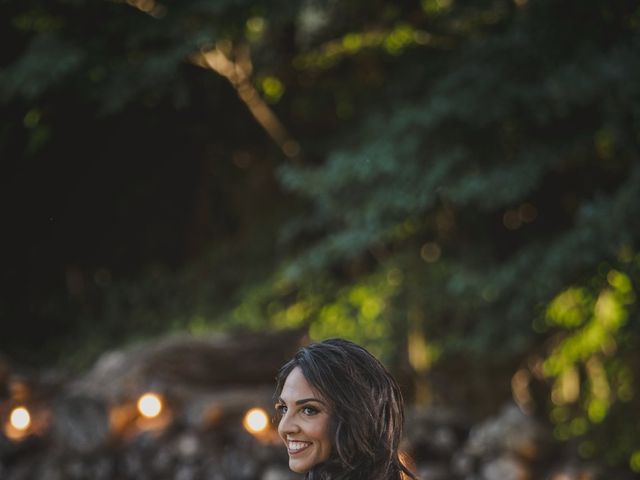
x,y
307,400
303,400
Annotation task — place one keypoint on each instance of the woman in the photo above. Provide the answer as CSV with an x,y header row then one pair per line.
x,y
340,414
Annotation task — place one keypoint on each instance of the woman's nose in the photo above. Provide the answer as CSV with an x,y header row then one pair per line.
x,y
287,425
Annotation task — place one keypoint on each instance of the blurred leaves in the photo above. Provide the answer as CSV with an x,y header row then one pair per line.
x,y
47,61
590,361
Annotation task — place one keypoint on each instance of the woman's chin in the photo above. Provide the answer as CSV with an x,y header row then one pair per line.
x,y
296,467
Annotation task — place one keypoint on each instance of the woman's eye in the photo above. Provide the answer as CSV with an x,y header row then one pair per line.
x,y
281,409
309,411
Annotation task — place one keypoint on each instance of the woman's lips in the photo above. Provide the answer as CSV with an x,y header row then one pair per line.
x,y
295,447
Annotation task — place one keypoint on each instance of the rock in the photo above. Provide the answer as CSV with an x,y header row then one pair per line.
x,y
510,431
434,471
505,468
20,472
239,464
188,446
183,365
463,464
80,423
435,432
211,470
444,439
186,472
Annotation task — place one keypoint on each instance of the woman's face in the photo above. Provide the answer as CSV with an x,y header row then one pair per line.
x,y
304,423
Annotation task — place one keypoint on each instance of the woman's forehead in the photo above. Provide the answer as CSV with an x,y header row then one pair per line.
x,y
297,387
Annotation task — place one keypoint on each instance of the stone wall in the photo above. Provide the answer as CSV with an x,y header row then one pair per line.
x,y
89,427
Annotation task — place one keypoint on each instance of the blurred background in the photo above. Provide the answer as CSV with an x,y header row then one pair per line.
x,y
191,189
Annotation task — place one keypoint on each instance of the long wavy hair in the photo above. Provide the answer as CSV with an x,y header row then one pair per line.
x,y
366,411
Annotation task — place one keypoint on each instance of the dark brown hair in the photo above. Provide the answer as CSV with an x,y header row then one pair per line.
x,y
366,408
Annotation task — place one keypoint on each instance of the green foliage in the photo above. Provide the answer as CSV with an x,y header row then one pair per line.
x,y
504,122
360,312
591,361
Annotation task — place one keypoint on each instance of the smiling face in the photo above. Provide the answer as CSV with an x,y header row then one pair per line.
x,y
304,423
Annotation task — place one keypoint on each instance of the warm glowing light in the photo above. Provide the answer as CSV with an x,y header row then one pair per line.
x,y
511,220
256,420
527,212
20,418
430,252
150,405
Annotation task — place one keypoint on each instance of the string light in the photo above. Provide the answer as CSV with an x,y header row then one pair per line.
x,y
20,419
150,405
256,420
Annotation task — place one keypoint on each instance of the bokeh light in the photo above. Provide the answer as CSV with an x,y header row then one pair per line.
x,y
256,420
20,418
430,252
150,405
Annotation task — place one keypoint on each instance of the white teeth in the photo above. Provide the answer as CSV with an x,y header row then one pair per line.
x,y
297,445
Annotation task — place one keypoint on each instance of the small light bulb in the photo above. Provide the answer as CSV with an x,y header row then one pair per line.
x,y
256,420
150,405
20,418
